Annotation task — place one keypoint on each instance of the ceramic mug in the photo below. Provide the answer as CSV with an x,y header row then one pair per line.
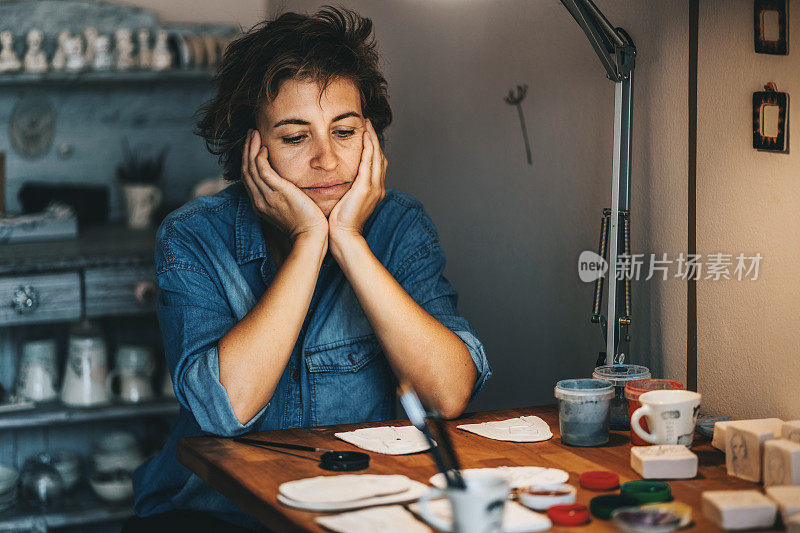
x,y
85,372
134,369
37,371
476,509
140,203
671,416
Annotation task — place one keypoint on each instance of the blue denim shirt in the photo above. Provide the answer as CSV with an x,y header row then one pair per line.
x,y
212,266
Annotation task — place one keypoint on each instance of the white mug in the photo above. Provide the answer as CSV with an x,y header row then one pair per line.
x,y
476,509
671,416
37,371
140,203
134,369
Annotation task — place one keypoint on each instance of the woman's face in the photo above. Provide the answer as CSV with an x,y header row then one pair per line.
x,y
312,141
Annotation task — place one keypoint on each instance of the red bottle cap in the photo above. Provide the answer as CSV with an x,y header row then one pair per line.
x,y
568,515
599,480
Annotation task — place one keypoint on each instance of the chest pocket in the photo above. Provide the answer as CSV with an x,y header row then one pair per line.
x,y
350,381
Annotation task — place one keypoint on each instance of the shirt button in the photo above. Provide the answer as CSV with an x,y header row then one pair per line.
x,y
296,374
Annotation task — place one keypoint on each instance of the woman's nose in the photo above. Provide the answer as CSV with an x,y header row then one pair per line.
x,y
325,157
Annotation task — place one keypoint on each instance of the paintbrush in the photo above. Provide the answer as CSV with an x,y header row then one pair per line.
x,y
418,416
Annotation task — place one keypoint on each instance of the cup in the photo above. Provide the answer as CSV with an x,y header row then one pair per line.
x,y
86,369
476,509
134,370
140,202
37,371
619,376
634,389
671,415
583,410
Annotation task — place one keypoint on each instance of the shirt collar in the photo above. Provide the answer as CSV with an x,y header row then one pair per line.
x,y
250,243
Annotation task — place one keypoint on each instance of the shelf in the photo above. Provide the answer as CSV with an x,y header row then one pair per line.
x,y
76,508
61,79
94,247
57,413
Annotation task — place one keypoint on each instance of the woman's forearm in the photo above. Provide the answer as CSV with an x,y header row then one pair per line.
x,y
254,353
420,349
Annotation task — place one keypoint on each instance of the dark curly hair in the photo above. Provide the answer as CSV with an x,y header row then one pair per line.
x,y
332,43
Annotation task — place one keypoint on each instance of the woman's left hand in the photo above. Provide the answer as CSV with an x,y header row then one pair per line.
x,y
354,208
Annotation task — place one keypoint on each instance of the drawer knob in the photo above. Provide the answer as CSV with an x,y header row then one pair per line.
x,y
25,300
145,292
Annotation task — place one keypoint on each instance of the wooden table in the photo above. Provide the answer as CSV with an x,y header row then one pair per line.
x,y
250,476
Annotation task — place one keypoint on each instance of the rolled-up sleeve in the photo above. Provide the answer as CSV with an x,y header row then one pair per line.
x,y
421,274
193,317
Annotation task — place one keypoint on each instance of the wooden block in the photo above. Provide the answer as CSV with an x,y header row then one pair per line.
x,y
791,431
744,449
739,509
787,498
667,461
781,462
793,524
720,428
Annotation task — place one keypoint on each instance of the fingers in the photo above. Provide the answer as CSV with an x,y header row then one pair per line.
x,y
364,175
256,196
379,163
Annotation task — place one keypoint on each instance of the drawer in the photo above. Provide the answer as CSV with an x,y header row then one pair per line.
x,y
119,290
32,299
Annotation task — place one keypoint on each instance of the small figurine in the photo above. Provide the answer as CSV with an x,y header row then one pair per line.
x,y
123,49
90,34
102,53
9,62
144,59
59,61
74,51
162,58
35,60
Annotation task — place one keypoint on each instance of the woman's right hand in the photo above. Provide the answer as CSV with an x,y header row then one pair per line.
x,y
277,199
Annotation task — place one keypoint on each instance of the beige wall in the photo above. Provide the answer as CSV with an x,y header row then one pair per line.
x,y
747,201
513,232
242,12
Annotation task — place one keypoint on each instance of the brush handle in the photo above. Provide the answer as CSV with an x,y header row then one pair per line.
x,y
263,443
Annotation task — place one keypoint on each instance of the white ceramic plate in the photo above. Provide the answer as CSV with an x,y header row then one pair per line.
x,y
516,476
343,487
413,493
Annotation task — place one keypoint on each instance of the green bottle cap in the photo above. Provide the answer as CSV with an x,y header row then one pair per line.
x,y
647,491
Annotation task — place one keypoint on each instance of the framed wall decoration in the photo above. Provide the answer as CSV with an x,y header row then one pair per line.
x,y
771,26
771,120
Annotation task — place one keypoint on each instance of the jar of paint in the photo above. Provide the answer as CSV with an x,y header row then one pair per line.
x,y
583,408
619,376
634,389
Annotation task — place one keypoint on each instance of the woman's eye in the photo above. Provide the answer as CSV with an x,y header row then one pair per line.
x,y
293,140
344,134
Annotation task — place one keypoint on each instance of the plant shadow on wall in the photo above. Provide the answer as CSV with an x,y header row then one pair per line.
x,y
516,99
140,176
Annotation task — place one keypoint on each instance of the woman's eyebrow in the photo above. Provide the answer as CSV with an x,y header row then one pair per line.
x,y
306,123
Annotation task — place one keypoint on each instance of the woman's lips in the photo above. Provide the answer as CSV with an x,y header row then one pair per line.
x,y
329,191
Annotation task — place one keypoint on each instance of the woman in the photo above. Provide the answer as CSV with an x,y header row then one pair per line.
x,y
301,294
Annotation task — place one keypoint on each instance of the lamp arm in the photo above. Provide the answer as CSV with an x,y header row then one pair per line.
x,y
613,47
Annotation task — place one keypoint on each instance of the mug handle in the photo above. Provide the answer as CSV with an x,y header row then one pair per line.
x,y
110,382
426,513
644,410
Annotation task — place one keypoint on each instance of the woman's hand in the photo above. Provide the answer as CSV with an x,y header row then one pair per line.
x,y
354,208
277,199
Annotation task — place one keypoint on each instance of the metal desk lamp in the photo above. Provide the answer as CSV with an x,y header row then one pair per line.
x,y
617,53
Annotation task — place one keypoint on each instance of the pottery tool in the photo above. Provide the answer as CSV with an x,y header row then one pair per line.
x,y
329,460
446,460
